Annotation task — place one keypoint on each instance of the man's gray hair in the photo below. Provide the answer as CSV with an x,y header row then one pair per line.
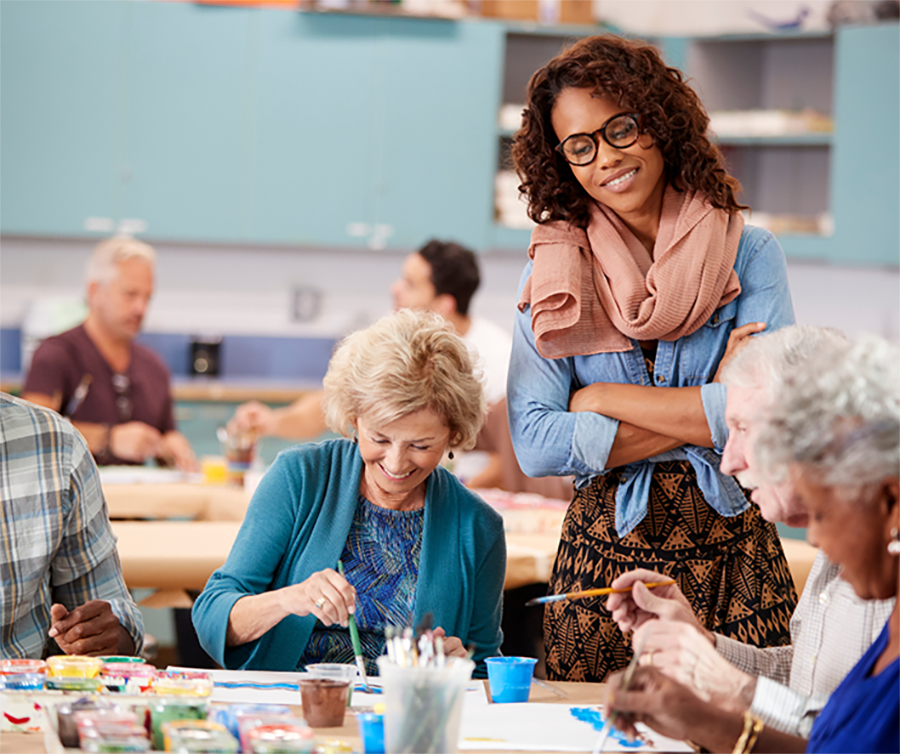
x,y
838,417
770,358
102,264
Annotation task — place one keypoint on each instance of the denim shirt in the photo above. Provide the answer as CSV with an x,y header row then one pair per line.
x,y
549,440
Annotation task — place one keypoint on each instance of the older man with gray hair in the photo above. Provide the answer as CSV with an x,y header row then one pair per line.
x,y
831,628
114,390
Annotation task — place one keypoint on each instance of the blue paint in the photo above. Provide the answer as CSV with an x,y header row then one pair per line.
x,y
595,718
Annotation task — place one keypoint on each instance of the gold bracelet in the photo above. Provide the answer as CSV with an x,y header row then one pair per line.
x,y
740,746
758,725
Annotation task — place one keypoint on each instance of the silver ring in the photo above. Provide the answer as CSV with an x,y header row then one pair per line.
x,y
319,602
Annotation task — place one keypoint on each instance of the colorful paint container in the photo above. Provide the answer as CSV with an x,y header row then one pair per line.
x,y
198,736
66,725
182,683
129,678
280,737
74,666
247,723
72,683
232,715
22,681
21,666
169,709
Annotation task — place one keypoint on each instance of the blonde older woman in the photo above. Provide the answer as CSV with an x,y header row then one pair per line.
x,y
411,538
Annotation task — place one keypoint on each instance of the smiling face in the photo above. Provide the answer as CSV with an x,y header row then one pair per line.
x,y
399,456
777,503
854,534
629,181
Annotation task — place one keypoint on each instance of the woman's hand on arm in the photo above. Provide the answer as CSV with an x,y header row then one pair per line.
x,y
737,341
326,594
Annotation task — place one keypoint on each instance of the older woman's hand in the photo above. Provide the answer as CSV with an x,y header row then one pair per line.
x,y
684,654
326,594
632,609
657,701
453,647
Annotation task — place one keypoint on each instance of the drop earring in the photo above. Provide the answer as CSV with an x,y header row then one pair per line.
x,y
450,456
893,547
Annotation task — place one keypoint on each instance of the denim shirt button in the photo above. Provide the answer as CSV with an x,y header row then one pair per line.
x,y
660,379
715,319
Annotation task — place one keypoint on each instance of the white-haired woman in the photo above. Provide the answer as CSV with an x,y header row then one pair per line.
x,y
835,429
411,538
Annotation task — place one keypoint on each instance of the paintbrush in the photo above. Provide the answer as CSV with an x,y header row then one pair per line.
x,y
590,593
354,640
626,682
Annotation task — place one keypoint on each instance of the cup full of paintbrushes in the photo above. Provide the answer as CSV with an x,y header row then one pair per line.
x,y
423,694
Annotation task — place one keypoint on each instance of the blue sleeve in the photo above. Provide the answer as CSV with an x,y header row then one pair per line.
x,y
549,439
485,632
262,542
764,297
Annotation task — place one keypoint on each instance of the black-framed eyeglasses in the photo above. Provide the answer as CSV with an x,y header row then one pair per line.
x,y
122,388
620,131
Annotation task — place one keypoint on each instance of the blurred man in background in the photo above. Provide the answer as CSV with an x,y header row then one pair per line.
x,y
114,390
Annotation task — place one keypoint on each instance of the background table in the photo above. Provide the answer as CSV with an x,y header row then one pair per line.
x,y
178,555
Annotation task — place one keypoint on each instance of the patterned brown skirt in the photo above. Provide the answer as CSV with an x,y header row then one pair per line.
x,y
732,571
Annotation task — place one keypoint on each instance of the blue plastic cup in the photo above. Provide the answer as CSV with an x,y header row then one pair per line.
x,y
510,678
371,730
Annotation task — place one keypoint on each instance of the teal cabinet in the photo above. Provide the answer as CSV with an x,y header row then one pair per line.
x,y
61,74
865,181
188,115
315,142
437,114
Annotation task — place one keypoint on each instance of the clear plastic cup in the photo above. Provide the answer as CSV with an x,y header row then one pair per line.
x,y
423,705
324,701
510,678
336,672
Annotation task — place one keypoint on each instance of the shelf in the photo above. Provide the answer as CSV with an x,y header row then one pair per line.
x,y
383,11
812,139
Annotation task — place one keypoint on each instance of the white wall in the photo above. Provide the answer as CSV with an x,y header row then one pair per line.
x,y
248,290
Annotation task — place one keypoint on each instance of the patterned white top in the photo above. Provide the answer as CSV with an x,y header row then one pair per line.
x,y
830,631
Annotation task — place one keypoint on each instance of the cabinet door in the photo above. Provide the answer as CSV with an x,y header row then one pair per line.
x,y
314,137
437,117
866,162
188,112
61,69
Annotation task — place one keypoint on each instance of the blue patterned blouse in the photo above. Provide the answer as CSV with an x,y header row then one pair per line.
x,y
381,561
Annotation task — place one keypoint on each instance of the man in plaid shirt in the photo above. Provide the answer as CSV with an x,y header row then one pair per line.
x,y
60,577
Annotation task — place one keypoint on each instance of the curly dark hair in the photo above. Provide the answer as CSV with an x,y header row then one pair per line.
x,y
633,74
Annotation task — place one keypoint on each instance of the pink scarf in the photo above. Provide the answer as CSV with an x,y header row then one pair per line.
x,y
591,291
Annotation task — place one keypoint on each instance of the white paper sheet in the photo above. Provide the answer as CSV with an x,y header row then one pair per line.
x,y
144,475
542,727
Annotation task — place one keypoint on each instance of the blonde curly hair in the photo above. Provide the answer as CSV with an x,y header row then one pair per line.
x,y
406,362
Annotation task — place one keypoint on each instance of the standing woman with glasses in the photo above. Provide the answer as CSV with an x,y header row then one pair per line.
x,y
642,277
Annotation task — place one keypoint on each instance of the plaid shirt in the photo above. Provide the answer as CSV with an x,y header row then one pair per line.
x,y
831,629
57,542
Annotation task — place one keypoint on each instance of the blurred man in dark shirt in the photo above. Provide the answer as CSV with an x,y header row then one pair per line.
x,y
115,391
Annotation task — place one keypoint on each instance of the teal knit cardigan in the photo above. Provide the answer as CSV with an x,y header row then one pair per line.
x,y
297,524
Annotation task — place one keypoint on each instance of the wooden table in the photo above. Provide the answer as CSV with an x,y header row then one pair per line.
x,y
202,502
178,555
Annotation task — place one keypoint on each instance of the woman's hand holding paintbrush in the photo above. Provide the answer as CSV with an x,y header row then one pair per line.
x,y
632,606
593,592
